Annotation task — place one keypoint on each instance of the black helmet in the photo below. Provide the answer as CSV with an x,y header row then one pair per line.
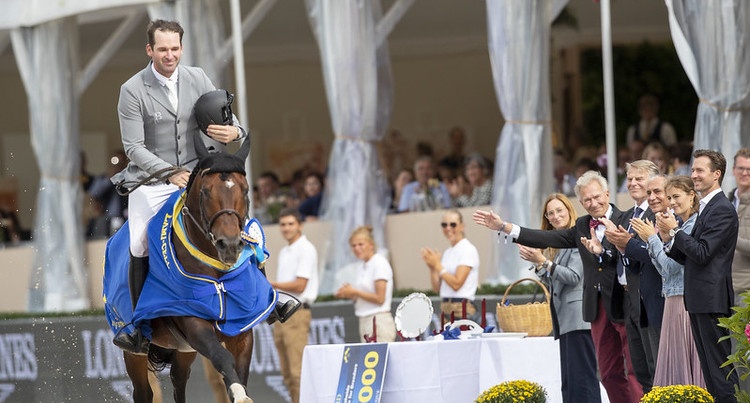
x,y
213,107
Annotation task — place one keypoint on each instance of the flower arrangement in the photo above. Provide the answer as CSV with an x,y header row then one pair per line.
x,y
514,392
677,394
738,325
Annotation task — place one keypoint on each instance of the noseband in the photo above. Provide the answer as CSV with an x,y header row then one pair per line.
x,y
208,223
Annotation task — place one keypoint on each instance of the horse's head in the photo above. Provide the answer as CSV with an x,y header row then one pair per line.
x,y
217,202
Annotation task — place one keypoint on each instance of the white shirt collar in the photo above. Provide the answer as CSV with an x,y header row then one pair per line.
x,y
704,200
161,78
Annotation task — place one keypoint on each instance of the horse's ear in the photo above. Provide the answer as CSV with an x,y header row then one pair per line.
x,y
244,149
200,147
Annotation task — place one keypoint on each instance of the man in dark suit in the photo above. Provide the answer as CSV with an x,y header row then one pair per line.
x,y
644,304
602,293
707,254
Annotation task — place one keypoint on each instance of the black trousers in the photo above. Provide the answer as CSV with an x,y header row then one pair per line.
x,y
712,355
578,368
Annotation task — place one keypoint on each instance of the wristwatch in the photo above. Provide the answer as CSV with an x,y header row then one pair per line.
x,y
674,231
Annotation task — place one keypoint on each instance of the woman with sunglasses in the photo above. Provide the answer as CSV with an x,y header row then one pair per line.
x,y
454,273
562,272
373,290
677,362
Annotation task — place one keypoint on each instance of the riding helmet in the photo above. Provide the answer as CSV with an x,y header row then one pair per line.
x,y
213,107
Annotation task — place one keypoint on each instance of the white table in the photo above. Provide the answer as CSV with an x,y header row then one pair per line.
x,y
450,371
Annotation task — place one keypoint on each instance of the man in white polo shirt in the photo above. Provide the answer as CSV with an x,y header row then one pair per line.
x,y
297,274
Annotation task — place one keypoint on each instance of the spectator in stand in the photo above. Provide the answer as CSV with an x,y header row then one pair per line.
x,y
10,227
404,177
272,199
454,273
310,206
565,179
561,270
373,291
584,165
681,154
657,153
677,362
454,159
426,192
474,188
650,127
114,207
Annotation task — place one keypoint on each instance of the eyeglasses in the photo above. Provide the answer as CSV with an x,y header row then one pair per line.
x,y
742,170
553,213
446,224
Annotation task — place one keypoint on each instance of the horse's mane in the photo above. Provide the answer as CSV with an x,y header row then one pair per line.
x,y
221,162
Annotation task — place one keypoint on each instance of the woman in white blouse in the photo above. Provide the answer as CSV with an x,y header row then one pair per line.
x,y
454,273
373,290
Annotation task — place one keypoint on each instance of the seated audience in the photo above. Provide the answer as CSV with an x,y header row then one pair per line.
x,y
310,206
474,188
426,192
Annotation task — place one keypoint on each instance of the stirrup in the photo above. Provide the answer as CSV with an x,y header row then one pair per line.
x,y
284,310
135,343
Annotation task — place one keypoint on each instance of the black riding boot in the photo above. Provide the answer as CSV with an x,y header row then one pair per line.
x,y
283,310
137,272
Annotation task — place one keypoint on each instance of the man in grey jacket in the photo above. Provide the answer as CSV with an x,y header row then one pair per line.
x,y
740,198
158,126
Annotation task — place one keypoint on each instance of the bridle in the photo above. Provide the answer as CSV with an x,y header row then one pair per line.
x,y
207,223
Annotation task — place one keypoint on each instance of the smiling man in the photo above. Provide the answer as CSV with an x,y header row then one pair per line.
x,y
158,127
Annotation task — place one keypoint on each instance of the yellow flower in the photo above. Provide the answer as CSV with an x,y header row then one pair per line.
x,y
514,392
677,394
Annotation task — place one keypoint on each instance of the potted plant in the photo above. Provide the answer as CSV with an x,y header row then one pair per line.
x,y
677,394
739,331
519,391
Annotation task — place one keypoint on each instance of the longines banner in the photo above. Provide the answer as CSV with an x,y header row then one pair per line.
x,y
73,359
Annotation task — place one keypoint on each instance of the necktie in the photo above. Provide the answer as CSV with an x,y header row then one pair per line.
x,y
636,214
594,223
172,93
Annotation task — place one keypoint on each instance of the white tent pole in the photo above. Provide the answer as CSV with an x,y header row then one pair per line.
x,y
609,98
249,24
239,79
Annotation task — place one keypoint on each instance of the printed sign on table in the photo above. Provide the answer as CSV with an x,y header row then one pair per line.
x,y
362,373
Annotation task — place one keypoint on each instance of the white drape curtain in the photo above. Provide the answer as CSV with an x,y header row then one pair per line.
x,y
712,39
359,89
519,38
47,58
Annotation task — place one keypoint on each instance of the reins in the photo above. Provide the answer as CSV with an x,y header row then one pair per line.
x,y
160,176
208,223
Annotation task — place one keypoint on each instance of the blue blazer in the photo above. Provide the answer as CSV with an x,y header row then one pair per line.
x,y
649,281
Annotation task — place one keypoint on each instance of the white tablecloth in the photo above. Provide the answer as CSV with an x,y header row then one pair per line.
x,y
450,371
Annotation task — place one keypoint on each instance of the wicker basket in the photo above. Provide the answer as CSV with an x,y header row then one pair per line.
x,y
533,318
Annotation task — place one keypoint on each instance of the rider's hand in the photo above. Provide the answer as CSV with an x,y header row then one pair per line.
x,y
223,133
180,179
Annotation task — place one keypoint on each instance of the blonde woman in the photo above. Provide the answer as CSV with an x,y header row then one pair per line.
x,y
677,362
561,270
373,290
454,273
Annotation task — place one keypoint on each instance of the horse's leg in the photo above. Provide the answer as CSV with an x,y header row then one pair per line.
x,y
200,335
137,368
180,373
241,347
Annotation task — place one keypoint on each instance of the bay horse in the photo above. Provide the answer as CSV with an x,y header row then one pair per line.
x,y
214,213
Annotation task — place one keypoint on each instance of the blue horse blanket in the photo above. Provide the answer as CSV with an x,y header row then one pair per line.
x,y
237,301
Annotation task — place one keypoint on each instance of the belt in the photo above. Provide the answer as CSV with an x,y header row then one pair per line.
x,y
454,299
305,305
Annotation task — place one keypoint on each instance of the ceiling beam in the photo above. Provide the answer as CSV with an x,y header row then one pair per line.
x,y
249,24
109,48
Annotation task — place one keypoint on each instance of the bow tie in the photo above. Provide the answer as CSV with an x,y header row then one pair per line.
x,y
594,223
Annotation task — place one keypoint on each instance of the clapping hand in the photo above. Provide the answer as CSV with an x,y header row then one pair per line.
x,y
592,244
431,257
644,228
664,222
616,234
